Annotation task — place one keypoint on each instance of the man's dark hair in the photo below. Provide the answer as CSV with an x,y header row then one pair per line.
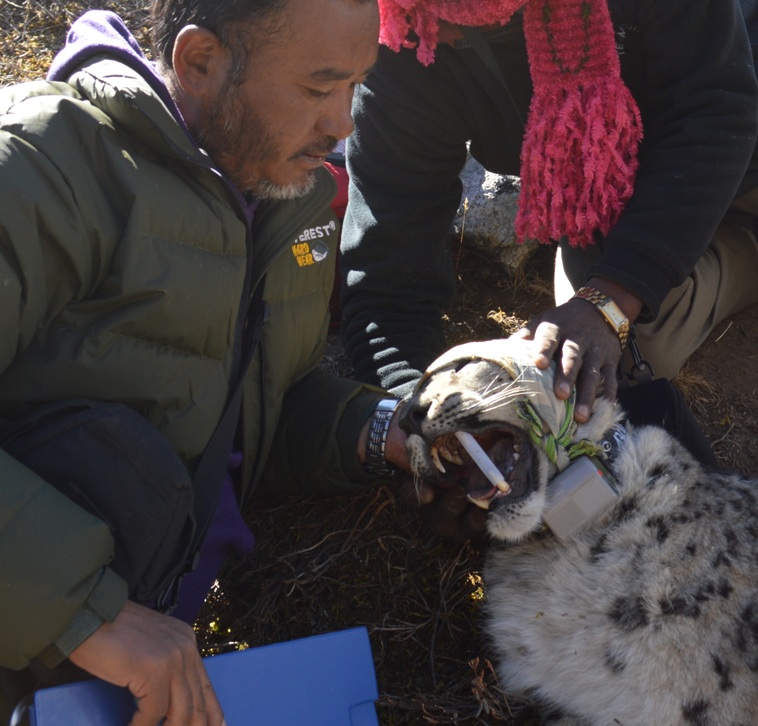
x,y
232,21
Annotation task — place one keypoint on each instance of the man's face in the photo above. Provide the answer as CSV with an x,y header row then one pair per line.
x,y
270,132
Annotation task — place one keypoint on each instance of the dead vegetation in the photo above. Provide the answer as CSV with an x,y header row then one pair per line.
x,y
326,564
31,31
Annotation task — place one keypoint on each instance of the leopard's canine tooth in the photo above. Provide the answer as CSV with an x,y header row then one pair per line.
x,y
435,454
479,455
451,455
483,503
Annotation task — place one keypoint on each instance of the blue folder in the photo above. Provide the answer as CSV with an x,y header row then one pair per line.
x,y
325,680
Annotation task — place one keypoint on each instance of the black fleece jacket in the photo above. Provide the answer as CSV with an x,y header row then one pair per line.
x,y
690,66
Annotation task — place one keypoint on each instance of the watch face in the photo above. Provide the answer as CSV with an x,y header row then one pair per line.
x,y
615,316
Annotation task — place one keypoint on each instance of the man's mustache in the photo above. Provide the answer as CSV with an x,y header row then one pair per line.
x,y
321,150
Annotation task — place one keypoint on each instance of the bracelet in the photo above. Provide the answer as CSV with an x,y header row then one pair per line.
x,y
376,442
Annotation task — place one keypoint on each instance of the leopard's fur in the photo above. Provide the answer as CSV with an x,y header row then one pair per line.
x,y
650,615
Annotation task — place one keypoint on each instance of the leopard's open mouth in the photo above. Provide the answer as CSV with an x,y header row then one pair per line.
x,y
511,452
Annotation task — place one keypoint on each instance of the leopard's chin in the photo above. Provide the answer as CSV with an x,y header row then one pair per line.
x,y
514,521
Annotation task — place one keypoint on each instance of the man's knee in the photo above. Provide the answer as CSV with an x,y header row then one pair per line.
x,y
116,465
721,284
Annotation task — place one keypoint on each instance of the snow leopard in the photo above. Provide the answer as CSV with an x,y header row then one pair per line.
x,y
645,615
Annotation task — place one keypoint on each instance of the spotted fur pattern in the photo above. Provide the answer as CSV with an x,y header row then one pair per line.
x,y
649,616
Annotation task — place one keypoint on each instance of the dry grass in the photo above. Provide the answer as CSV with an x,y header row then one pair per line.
x,y
32,30
326,564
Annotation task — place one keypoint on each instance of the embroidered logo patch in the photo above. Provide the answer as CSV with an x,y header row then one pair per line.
x,y
309,249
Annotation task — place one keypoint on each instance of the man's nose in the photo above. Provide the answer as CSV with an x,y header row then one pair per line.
x,y
338,120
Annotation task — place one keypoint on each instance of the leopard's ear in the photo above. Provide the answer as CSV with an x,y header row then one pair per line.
x,y
605,414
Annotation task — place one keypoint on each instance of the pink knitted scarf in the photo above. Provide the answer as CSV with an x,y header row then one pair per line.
x,y
579,155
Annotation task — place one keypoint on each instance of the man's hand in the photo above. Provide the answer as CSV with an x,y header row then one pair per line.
x,y
444,508
586,349
443,505
156,657
588,352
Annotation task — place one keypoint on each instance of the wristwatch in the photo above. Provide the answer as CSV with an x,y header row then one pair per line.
x,y
376,443
612,313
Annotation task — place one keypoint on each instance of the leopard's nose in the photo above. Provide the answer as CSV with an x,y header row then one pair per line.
x,y
412,417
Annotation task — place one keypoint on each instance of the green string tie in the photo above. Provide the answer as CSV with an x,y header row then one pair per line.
x,y
559,448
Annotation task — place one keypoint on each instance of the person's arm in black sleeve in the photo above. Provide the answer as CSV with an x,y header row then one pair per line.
x,y
700,117
689,65
404,159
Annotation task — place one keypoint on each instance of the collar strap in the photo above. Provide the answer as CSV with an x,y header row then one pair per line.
x,y
559,447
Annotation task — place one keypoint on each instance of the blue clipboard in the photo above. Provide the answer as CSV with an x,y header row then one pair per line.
x,y
324,680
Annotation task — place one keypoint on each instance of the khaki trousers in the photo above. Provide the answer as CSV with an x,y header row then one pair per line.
x,y
723,282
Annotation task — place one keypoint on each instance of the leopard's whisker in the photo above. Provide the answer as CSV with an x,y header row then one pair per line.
x,y
507,395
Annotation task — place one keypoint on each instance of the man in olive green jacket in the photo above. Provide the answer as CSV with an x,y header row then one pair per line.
x,y
150,218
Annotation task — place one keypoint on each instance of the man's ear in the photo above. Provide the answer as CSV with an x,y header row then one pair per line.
x,y
201,63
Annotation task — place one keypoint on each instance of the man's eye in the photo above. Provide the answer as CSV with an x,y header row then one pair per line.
x,y
316,93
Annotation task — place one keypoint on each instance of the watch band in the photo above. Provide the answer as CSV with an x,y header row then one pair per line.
x,y
612,313
376,442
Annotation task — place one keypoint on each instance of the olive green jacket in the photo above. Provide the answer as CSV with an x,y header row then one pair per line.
x,y
123,255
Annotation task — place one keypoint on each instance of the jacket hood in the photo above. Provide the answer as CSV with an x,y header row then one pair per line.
x,y
101,31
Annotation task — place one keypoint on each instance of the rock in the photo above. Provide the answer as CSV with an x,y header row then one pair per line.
x,y
486,215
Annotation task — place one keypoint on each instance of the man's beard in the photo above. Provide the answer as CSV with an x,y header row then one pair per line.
x,y
265,189
232,134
